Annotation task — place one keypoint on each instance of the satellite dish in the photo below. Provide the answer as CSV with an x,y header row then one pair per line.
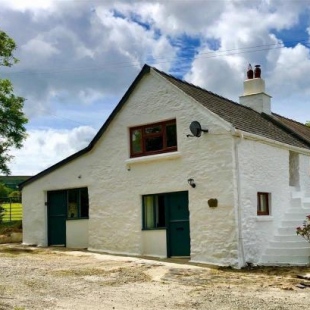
x,y
196,129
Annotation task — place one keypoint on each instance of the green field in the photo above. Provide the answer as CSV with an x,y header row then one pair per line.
x,y
13,212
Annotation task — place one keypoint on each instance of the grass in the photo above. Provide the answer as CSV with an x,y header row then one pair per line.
x,y
15,214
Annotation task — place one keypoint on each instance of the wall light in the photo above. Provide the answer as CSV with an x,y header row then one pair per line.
x,y
191,182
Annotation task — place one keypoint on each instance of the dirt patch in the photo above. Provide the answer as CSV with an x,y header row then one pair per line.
x,y
11,232
37,278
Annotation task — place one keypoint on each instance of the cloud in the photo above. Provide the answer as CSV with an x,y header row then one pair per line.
x,y
79,51
77,58
44,148
38,47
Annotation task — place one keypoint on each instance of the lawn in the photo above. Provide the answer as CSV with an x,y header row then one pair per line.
x,y
13,211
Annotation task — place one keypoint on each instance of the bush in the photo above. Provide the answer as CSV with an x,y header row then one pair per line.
x,y
304,230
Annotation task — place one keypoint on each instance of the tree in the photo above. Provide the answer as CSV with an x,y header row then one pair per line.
x,y
4,191
12,118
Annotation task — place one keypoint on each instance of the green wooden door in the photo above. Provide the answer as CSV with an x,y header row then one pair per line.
x,y
178,224
57,214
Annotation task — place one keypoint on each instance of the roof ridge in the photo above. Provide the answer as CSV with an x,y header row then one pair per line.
x,y
290,119
203,89
285,127
196,86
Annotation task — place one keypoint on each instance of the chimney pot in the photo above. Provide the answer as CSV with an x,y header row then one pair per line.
x,y
257,72
250,72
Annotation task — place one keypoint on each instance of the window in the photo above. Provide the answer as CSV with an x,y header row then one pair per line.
x,y
153,138
77,203
263,203
154,212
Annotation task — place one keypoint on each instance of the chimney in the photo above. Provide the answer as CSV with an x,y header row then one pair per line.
x,y
254,95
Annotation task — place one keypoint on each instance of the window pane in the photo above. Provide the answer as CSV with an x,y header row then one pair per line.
x,y
153,138
153,129
171,135
263,203
160,211
136,139
84,202
148,220
73,207
154,144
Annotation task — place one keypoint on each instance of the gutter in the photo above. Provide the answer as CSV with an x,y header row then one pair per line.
x,y
250,136
239,134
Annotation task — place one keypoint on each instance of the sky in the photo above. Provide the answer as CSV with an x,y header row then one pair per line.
x,y
77,58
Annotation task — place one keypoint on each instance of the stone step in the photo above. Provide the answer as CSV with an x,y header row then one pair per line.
x,y
291,223
306,206
298,210
295,215
297,194
305,199
289,238
297,219
284,260
296,202
288,244
302,251
287,230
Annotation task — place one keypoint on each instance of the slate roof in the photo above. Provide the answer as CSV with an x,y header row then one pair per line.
x,y
275,127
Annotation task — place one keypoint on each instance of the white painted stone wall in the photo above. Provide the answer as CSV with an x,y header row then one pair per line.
x,y
77,233
121,182
263,168
154,243
35,198
304,174
116,183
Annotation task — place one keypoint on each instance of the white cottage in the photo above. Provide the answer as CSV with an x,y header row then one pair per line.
x,y
229,190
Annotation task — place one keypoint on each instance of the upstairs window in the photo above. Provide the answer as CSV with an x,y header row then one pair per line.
x,y
153,138
263,203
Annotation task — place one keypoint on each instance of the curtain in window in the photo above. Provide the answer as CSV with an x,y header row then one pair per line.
x,y
149,212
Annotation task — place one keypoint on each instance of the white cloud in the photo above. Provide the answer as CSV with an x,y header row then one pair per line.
x,y
44,148
39,47
77,58
22,5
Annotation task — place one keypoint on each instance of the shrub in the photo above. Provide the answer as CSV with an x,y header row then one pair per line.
x,y
304,230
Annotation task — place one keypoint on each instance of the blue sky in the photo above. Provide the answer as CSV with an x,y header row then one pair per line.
x,y
78,58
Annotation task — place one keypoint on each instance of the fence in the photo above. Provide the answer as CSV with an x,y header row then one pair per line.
x,y
11,209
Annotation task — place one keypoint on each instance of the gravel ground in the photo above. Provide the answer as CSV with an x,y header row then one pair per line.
x,y
50,278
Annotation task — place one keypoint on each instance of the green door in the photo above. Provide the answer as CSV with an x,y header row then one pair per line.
x,y
57,214
178,224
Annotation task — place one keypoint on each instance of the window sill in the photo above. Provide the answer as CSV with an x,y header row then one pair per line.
x,y
152,229
77,218
150,158
264,218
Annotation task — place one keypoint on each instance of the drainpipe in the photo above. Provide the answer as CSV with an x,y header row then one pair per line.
x,y
238,133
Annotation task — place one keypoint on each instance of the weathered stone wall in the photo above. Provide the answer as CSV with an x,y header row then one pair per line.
x,y
263,168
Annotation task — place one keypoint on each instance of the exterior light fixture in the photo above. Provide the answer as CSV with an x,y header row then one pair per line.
x,y
191,182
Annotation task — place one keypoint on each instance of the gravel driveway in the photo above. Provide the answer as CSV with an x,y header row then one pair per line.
x,y
49,278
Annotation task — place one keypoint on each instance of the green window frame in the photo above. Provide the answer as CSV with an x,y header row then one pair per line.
x,y
153,138
77,203
153,212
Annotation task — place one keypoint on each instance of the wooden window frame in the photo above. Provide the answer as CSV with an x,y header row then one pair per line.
x,y
145,135
266,197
